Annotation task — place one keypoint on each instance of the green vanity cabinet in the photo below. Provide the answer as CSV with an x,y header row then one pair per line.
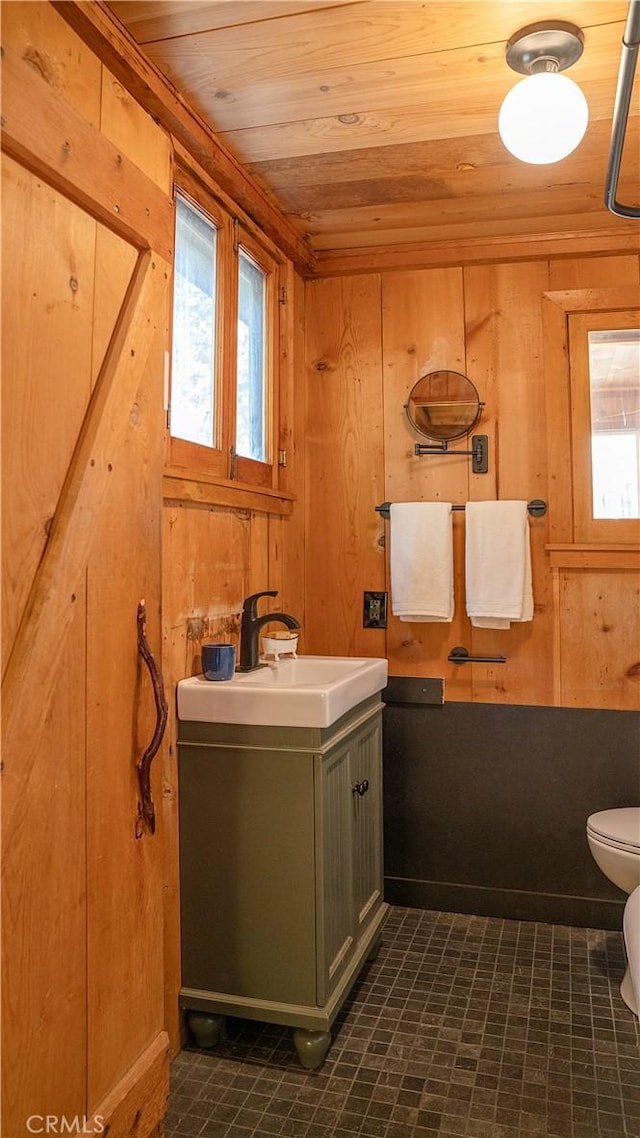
x,y
281,870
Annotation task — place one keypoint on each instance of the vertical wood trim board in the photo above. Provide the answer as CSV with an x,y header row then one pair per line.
x,y
423,331
344,464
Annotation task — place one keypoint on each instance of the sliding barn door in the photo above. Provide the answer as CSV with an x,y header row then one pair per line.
x,y
85,279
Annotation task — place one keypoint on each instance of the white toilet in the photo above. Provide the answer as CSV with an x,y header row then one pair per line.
x,y
614,841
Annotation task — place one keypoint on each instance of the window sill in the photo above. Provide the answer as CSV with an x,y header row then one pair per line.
x,y
594,556
180,485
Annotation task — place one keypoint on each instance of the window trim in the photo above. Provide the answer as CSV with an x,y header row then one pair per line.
x,y
587,528
189,461
558,307
248,469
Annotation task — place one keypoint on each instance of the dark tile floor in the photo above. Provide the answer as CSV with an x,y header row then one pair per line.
x,y
470,1027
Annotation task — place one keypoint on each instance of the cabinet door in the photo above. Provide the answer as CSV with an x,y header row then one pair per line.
x,y
366,768
334,859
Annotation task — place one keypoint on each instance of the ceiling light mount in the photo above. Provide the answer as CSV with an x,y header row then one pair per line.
x,y
544,117
551,45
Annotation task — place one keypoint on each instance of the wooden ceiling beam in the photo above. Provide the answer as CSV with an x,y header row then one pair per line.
x,y
477,251
466,155
151,21
117,49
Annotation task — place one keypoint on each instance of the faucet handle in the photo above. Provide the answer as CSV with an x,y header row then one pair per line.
x,y
250,604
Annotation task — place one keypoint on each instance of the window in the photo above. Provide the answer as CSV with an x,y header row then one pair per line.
x,y
251,391
193,363
605,403
614,383
223,406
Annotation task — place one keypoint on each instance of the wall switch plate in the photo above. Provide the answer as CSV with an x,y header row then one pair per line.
x,y
375,610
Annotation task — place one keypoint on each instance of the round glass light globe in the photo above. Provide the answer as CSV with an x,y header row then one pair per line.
x,y
543,118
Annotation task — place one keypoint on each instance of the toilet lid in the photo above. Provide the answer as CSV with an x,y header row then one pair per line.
x,y
617,827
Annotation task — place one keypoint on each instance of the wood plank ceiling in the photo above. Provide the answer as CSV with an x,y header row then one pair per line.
x,y
373,124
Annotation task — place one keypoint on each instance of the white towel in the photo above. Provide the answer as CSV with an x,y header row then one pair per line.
x,y
421,561
498,563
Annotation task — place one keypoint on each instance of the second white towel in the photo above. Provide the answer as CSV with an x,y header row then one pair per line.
x,y
498,564
421,561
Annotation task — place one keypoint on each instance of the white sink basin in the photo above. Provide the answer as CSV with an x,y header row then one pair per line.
x,y
310,691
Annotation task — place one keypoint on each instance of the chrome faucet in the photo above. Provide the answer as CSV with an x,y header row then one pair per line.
x,y
251,625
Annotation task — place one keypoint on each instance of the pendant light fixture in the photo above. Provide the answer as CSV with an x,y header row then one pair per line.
x,y
544,117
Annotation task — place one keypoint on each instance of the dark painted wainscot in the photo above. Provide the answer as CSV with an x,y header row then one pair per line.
x,y
485,805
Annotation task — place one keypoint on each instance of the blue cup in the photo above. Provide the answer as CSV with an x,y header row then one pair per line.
x,y
218,661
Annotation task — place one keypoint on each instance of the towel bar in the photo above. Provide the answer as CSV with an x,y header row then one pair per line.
x,y
626,74
461,656
537,508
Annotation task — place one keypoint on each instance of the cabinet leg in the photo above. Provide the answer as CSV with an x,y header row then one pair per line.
x,y
207,1030
312,1046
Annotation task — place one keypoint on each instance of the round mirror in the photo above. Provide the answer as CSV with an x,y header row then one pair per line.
x,y
443,405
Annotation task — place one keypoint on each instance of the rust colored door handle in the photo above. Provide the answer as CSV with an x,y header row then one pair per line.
x,y
146,810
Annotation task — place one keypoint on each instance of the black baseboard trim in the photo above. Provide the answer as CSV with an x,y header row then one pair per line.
x,y
510,904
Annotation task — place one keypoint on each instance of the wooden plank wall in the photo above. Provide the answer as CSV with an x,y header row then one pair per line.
x,y
84,334
369,339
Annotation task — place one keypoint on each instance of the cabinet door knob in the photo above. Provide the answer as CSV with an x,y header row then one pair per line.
x,y
361,787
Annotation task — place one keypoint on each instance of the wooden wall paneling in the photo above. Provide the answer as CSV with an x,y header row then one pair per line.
x,y
140,1099
206,558
205,563
73,1042
120,54
344,477
175,647
125,911
50,606
423,331
125,887
115,262
286,534
287,538
558,416
47,135
508,341
482,337
601,609
258,563
46,345
52,49
50,641
135,133
44,1016
618,271
291,333
46,355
